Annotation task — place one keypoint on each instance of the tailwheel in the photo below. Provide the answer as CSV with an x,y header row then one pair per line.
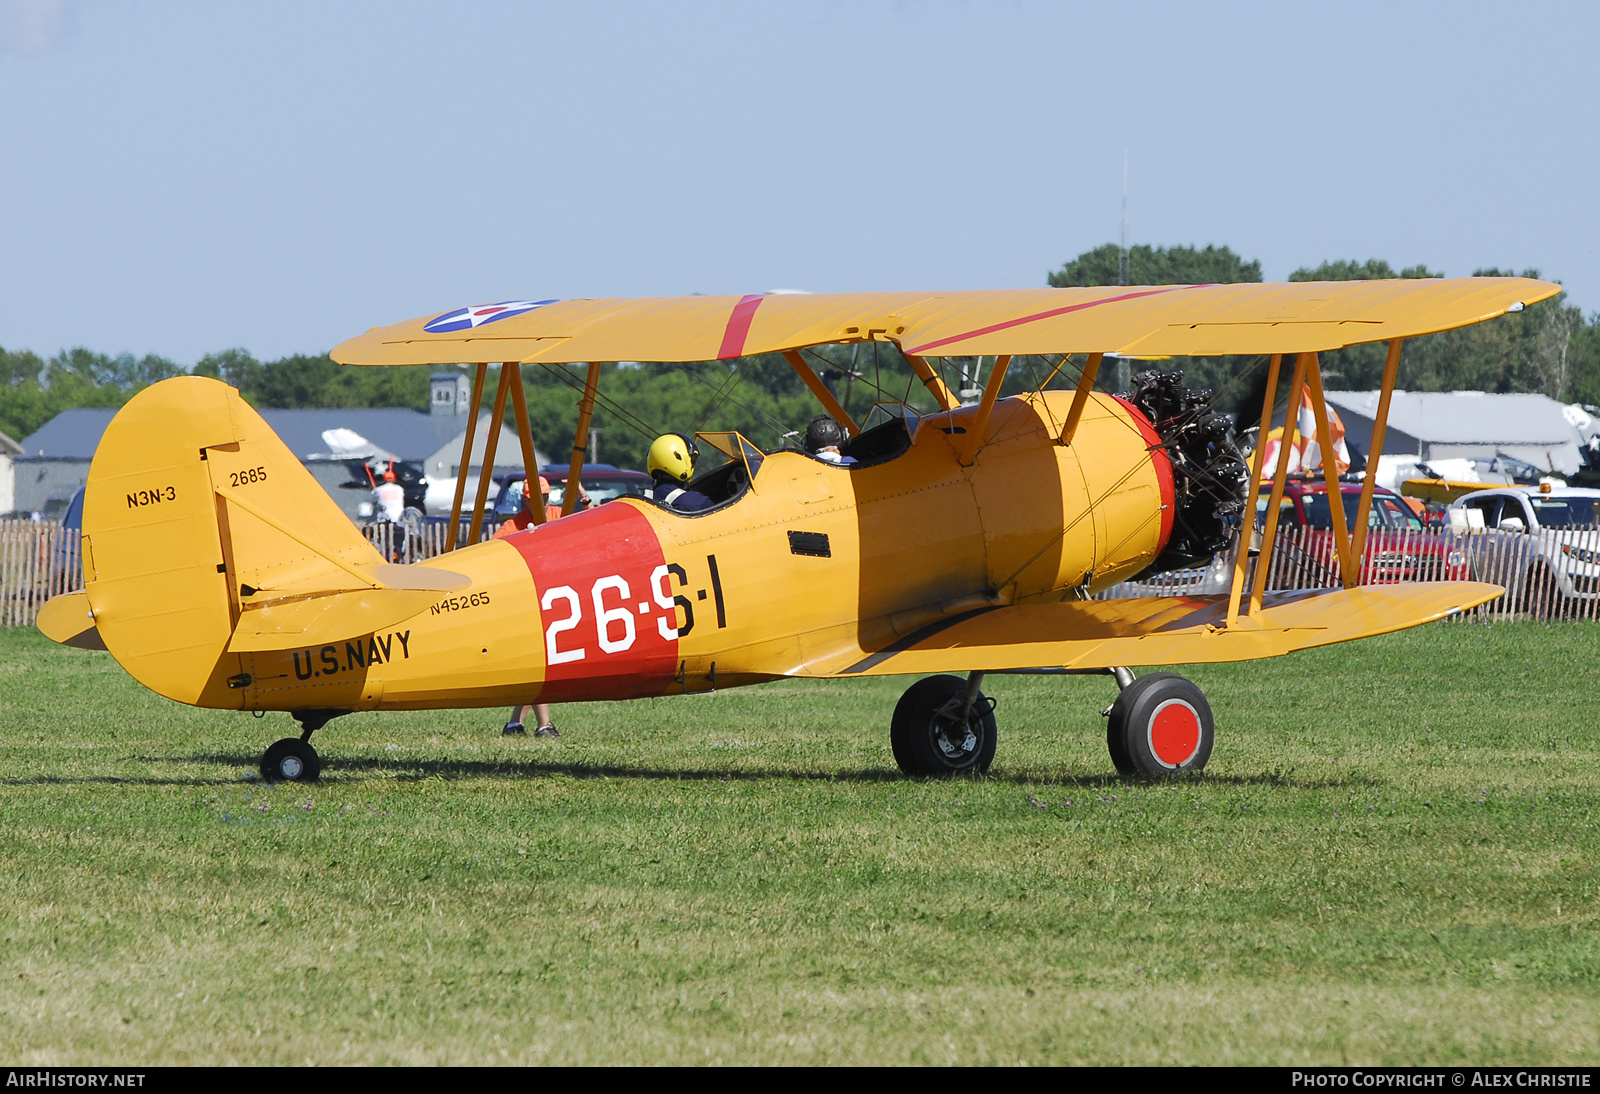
x,y
1160,725
943,725
291,760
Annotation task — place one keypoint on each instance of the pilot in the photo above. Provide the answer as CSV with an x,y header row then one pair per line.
x,y
671,463
823,438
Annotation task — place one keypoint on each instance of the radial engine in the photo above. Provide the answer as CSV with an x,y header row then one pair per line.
x,y
1210,477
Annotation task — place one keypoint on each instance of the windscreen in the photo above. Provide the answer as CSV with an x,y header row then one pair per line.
x,y
733,445
1566,512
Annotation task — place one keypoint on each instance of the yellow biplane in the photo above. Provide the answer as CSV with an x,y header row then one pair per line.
x,y
965,540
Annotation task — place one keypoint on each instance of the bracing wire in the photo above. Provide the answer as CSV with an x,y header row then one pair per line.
x,y
726,394
610,405
873,384
644,428
719,394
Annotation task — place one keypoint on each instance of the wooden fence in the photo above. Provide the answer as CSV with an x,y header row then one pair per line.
x,y
1551,575
38,560
413,542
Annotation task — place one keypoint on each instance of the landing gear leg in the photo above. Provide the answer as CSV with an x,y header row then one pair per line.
x,y
1160,725
293,759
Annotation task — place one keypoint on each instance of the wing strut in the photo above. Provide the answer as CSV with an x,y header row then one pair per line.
x,y
991,391
530,461
1236,589
820,390
1391,367
466,456
580,441
1348,573
1269,534
491,443
1091,369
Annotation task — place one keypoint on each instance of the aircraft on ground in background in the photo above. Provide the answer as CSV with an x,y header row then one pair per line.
x,y
969,540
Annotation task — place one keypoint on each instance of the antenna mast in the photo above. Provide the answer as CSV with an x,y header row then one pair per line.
x,y
1123,276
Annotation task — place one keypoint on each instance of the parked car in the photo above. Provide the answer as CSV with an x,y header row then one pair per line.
x,y
601,482
1399,546
1541,542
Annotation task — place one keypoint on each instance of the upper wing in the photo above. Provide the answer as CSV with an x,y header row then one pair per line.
x,y
1300,317
1161,630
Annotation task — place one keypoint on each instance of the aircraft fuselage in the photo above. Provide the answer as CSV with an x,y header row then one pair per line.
x,y
812,569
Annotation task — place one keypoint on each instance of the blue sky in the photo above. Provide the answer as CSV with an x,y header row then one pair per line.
x,y
186,177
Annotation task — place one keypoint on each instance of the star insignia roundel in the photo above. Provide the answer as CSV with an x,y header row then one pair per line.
x,y
479,314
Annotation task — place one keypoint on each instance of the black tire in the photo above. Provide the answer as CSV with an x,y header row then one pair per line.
x,y
924,732
291,760
1160,725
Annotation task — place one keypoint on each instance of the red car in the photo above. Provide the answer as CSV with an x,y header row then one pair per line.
x,y
1399,547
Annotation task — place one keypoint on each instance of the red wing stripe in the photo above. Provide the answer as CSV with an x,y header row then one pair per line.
x,y
738,327
1034,318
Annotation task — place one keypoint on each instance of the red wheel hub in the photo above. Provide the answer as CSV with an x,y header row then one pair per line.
x,y
1174,733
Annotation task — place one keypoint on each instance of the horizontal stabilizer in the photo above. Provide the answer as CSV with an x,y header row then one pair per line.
x,y
333,615
67,619
1158,630
420,578
293,622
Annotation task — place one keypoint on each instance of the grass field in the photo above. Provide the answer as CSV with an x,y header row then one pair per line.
x,y
1392,858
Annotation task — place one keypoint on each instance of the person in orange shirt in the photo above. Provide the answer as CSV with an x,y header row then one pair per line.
x,y
545,726
523,518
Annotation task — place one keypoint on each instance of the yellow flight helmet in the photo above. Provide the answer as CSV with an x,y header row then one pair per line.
x,y
672,455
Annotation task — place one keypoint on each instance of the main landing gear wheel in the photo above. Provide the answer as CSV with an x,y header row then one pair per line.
x,y
291,760
943,725
1160,725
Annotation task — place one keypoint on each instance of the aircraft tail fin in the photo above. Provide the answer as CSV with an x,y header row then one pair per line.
x,y
205,537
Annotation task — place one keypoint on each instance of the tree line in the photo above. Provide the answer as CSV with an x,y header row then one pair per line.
x,y
1548,348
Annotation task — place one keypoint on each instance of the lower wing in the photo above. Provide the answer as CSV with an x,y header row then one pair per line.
x,y
1158,630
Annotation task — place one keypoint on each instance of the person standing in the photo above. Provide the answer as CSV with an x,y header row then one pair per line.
x,y
522,519
545,726
389,500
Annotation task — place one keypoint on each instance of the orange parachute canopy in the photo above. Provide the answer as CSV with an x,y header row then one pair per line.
x,y
1306,453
